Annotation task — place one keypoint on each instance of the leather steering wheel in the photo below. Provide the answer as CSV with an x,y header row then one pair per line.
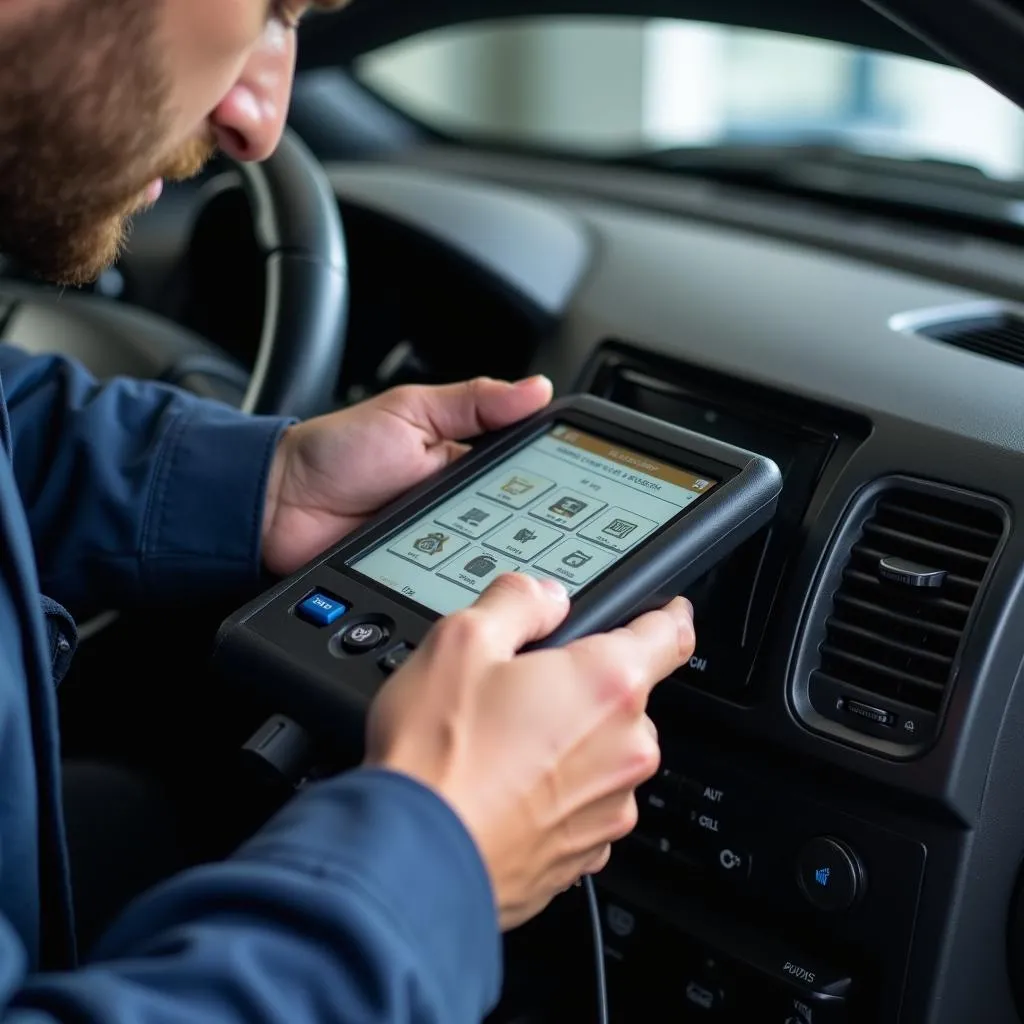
x,y
299,232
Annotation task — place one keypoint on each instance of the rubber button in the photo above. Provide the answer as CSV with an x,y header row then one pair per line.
x,y
321,609
363,637
830,874
396,657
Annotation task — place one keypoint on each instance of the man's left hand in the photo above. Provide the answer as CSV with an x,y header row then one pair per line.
x,y
331,474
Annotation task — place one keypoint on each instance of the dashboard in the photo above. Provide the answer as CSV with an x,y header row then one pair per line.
x,y
836,832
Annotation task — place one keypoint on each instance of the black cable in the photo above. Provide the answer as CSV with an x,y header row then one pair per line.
x,y
595,927
288,750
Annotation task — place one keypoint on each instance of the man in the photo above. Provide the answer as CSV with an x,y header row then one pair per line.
x,y
492,780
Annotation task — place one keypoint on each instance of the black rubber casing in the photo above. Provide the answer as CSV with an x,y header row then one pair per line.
x,y
306,673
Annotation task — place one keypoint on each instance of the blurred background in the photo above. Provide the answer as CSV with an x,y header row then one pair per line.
x,y
608,86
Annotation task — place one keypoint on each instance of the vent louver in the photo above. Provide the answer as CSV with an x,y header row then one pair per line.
x,y
999,335
890,647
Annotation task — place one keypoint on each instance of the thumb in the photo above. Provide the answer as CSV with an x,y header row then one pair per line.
x,y
445,453
520,609
458,411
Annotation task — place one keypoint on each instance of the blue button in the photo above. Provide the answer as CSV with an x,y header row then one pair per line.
x,y
321,610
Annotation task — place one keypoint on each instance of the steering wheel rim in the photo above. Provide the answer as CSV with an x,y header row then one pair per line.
x,y
299,231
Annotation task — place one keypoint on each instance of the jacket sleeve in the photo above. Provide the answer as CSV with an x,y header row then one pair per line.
x,y
365,902
134,491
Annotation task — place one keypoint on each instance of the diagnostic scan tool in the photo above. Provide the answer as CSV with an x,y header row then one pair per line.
x,y
623,509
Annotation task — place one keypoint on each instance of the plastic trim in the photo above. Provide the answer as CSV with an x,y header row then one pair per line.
x,y
819,605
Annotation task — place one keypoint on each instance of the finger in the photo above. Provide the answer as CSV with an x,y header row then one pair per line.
x,y
460,411
603,776
598,861
606,819
650,727
568,872
649,649
517,609
443,454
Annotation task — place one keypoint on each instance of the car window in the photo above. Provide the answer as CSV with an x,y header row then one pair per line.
x,y
606,86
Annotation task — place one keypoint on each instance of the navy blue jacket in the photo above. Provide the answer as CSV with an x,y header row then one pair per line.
x,y
364,901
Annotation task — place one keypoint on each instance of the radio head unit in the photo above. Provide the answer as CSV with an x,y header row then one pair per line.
x,y
804,440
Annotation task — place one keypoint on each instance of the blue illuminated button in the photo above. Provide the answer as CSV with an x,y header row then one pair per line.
x,y
321,610
831,875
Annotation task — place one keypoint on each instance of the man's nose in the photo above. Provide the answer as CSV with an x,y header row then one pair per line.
x,y
249,121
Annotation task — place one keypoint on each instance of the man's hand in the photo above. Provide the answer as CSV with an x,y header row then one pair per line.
x,y
540,754
332,473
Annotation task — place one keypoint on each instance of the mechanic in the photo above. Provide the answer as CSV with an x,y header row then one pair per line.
x,y
492,780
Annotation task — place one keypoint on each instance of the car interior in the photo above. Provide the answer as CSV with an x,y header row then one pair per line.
x,y
836,832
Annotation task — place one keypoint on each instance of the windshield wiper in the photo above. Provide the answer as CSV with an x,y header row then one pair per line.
x,y
932,190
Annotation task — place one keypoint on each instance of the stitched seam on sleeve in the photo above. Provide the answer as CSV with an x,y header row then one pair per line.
x,y
260,497
155,500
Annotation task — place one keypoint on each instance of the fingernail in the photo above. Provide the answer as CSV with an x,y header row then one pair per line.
x,y
555,589
530,382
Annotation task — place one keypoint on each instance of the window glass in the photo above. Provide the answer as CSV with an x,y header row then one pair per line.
x,y
612,85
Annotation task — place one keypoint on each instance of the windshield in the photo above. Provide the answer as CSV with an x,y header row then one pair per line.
x,y
614,86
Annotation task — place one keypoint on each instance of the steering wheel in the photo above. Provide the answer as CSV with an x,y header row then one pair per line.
x,y
299,233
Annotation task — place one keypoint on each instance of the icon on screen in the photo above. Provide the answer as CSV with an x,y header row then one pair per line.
x,y
481,566
474,517
524,536
516,485
577,559
620,529
701,485
432,544
822,875
567,507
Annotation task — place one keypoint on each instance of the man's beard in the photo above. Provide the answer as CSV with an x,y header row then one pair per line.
x,y
83,131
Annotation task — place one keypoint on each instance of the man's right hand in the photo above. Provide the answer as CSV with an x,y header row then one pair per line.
x,y
540,754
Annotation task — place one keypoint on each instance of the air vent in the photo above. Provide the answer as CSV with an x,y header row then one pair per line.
x,y
999,335
899,614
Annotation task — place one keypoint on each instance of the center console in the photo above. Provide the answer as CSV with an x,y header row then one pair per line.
x,y
804,854
739,594
742,895
745,896
797,856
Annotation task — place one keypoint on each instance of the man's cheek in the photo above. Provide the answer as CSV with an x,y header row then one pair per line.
x,y
206,45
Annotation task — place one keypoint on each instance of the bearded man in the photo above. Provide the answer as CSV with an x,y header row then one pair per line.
x,y
379,895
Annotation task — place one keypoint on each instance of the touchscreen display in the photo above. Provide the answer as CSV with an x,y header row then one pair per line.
x,y
568,505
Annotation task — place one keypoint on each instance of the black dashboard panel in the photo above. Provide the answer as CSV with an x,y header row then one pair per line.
x,y
535,247
804,440
889,879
